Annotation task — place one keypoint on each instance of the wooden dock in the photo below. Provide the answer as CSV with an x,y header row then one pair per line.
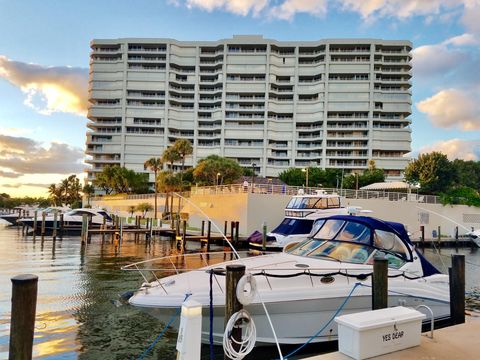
x,y
459,342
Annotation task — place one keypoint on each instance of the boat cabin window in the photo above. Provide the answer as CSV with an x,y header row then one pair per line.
x,y
352,241
390,242
313,203
293,226
305,247
329,229
355,232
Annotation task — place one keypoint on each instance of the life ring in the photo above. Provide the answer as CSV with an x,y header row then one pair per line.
x,y
245,295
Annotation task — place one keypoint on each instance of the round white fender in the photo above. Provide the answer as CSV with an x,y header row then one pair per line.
x,y
246,295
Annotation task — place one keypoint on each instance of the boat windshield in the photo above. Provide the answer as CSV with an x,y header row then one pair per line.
x,y
353,242
105,215
313,202
293,226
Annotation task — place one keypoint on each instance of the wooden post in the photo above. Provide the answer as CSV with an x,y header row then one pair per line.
x,y
456,236
83,235
264,237
237,229
232,231
422,232
184,234
380,284
24,305
457,289
203,227
439,236
209,229
35,214
54,231
225,228
61,226
42,232
104,227
232,305
121,230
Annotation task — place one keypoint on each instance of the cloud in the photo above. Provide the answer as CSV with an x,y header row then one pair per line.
x,y
463,40
456,149
401,9
26,156
239,7
471,15
451,108
49,89
435,59
9,174
288,9
19,185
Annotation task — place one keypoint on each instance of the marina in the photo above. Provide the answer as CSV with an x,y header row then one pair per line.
x,y
81,295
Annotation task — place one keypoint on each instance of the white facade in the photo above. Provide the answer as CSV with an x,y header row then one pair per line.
x,y
276,104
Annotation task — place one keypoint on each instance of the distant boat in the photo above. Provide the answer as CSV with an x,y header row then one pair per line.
x,y
300,213
475,236
72,220
17,213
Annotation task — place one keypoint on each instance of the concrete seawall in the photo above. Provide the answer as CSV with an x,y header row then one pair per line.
x,y
252,209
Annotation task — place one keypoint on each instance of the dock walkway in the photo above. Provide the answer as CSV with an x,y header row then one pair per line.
x,y
458,342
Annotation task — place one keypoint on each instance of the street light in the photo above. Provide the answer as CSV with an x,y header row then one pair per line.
x,y
253,174
305,170
218,174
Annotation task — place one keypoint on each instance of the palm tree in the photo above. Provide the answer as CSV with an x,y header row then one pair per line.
x,y
184,148
155,165
55,194
170,155
88,190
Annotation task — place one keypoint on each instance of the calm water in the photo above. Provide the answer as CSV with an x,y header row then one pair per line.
x,y
78,313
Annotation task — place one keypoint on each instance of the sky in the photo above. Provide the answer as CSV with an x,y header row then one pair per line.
x,y
44,57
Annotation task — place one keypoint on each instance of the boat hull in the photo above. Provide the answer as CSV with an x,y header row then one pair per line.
x,y
295,322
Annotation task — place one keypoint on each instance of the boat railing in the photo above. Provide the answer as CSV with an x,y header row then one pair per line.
x,y
184,263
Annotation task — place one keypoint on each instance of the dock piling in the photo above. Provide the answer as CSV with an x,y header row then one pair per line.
x,y
232,305
54,231
42,231
35,224
456,276
203,228
184,234
62,226
264,237
237,228
380,283
439,236
422,234
83,235
209,230
24,304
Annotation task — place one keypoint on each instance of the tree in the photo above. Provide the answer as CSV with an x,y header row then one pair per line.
x,y
144,208
131,209
467,173
170,155
433,171
184,148
121,180
88,191
67,192
207,169
155,165
293,177
55,194
105,179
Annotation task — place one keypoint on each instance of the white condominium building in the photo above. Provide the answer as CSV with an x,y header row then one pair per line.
x,y
269,104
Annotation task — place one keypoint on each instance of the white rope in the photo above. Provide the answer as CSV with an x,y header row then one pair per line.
x,y
249,335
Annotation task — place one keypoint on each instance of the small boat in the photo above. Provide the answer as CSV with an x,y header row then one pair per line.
x,y
300,213
72,220
17,214
303,286
475,236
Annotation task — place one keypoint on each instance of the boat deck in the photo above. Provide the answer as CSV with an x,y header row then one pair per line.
x,y
450,343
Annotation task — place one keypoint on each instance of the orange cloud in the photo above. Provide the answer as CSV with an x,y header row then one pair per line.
x,y
49,89
453,108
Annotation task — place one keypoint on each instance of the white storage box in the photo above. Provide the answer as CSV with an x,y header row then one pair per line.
x,y
372,333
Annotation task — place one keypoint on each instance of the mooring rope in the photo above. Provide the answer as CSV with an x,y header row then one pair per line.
x,y
340,308
172,319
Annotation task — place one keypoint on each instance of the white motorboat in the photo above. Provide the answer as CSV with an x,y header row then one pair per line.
x,y
303,286
72,220
475,236
17,214
300,213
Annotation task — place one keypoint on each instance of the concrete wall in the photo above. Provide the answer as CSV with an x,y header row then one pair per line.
x,y
251,210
